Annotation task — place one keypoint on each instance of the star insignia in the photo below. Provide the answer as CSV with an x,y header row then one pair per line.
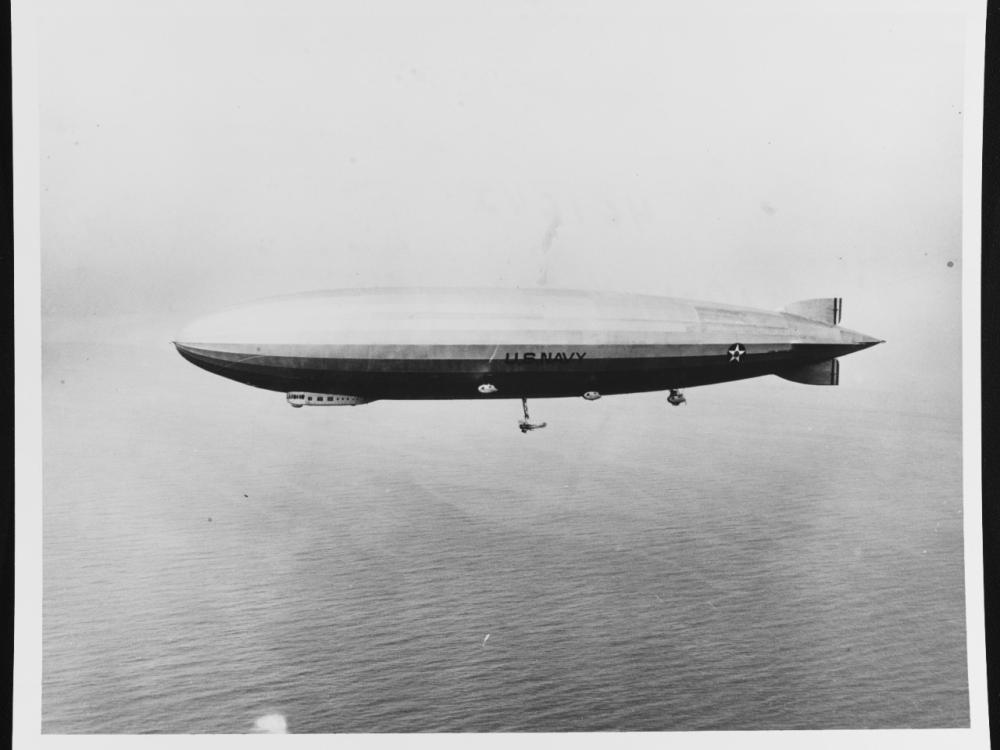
x,y
736,351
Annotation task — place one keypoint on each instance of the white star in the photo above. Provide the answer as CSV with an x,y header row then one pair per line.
x,y
735,352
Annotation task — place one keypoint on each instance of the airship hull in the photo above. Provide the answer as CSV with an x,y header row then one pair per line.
x,y
455,343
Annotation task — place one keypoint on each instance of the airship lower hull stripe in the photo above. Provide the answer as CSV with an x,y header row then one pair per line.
x,y
458,378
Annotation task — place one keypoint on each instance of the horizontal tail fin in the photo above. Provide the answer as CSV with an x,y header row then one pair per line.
x,y
826,310
821,373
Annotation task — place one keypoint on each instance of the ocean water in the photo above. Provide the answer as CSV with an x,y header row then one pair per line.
x,y
767,556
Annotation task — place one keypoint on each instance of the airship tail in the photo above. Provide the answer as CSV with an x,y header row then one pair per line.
x,y
826,310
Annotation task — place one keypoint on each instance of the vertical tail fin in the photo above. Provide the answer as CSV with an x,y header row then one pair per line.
x,y
821,373
826,310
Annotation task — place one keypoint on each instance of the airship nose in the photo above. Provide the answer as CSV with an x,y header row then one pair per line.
x,y
192,354
195,340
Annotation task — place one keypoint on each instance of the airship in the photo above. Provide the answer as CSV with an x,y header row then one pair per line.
x,y
355,346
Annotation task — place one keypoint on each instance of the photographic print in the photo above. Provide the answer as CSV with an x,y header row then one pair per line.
x,y
640,328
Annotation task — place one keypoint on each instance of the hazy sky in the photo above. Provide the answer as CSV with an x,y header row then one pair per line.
x,y
205,154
